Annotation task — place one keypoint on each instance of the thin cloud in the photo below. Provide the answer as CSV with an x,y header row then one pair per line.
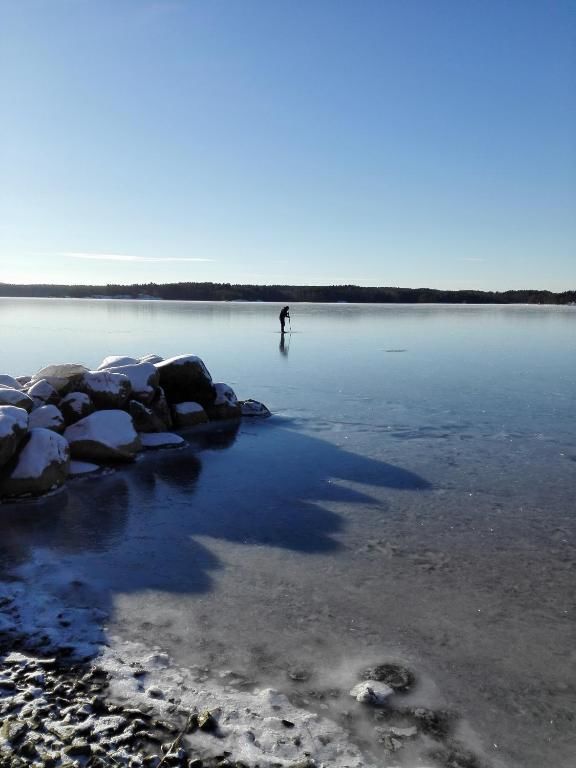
x,y
126,257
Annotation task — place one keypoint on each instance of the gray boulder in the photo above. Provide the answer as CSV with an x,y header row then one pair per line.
x,y
226,405
106,390
13,428
184,379
63,377
75,406
10,396
40,466
47,417
254,408
161,408
104,436
43,393
143,379
115,360
145,420
188,415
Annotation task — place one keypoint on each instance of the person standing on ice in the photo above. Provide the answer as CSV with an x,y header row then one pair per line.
x,y
285,312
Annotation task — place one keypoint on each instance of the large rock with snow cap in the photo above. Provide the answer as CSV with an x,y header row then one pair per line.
x,y
104,436
11,396
75,406
226,405
40,466
151,358
13,428
47,417
143,379
63,377
9,381
106,390
185,378
114,360
43,393
188,415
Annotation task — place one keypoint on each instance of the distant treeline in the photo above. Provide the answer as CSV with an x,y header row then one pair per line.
x,y
287,293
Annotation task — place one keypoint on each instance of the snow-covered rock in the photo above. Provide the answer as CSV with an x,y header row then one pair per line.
x,y
78,468
371,692
161,408
41,465
43,393
62,376
254,408
226,405
185,378
145,420
47,417
9,381
188,415
23,380
11,396
107,390
150,359
75,406
143,379
115,360
13,427
161,440
104,436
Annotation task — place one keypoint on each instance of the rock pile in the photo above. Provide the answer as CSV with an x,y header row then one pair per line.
x,y
53,423
54,714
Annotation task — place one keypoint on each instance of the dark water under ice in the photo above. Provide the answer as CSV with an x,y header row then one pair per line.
x,y
411,498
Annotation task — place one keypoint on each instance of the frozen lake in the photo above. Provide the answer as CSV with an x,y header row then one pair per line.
x,y
412,499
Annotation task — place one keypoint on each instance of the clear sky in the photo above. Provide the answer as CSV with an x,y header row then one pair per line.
x,y
376,142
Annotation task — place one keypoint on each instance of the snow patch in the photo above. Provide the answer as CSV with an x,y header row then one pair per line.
x,y
43,447
190,407
9,381
112,428
12,417
83,467
47,417
161,440
116,360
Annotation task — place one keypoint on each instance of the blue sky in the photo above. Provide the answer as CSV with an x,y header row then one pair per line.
x,y
375,142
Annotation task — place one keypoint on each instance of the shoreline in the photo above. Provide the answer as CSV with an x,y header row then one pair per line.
x,y
73,695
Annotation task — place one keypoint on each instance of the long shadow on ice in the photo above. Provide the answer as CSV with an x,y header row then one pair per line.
x,y
146,526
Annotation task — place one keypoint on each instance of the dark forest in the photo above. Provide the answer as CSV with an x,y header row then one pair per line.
x,y
287,293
